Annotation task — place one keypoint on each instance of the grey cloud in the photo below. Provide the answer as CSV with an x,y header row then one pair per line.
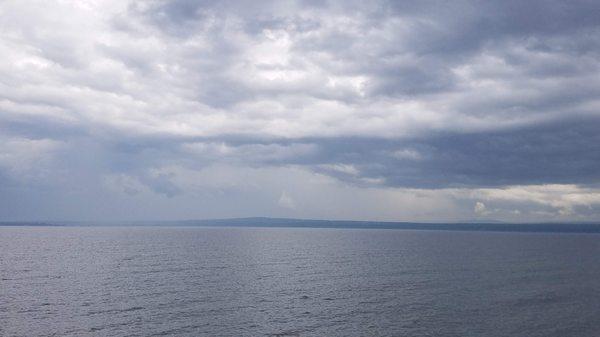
x,y
403,48
382,95
162,183
556,153
562,152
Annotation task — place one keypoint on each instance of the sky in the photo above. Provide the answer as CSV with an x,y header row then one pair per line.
x,y
371,110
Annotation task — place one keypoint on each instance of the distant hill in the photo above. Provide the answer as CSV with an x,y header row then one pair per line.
x,y
309,223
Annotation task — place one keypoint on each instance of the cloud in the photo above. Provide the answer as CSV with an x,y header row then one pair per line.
x,y
286,201
135,97
480,208
29,161
564,199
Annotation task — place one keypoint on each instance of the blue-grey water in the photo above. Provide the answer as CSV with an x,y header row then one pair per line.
x,y
160,281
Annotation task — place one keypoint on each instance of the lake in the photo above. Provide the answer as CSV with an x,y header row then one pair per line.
x,y
207,281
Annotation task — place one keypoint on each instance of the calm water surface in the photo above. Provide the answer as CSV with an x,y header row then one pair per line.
x,y
149,281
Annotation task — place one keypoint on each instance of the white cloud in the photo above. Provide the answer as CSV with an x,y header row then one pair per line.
x,y
480,208
286,201
562,198
409,154
341,168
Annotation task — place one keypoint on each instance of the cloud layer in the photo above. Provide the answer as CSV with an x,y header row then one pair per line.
x,y
171,109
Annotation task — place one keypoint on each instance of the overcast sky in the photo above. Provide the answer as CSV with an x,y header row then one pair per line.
x,y
379,110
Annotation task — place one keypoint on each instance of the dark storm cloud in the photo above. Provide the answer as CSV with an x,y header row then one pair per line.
x,y
558,153
562,152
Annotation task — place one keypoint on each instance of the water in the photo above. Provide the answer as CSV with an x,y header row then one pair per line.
x,y
148,281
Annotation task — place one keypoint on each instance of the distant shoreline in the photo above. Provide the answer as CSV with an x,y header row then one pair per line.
x,y
304,223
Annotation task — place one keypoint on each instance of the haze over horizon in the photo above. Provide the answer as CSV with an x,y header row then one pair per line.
x,y
419,111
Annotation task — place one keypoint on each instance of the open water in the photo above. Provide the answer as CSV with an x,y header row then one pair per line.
x,y
194,281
